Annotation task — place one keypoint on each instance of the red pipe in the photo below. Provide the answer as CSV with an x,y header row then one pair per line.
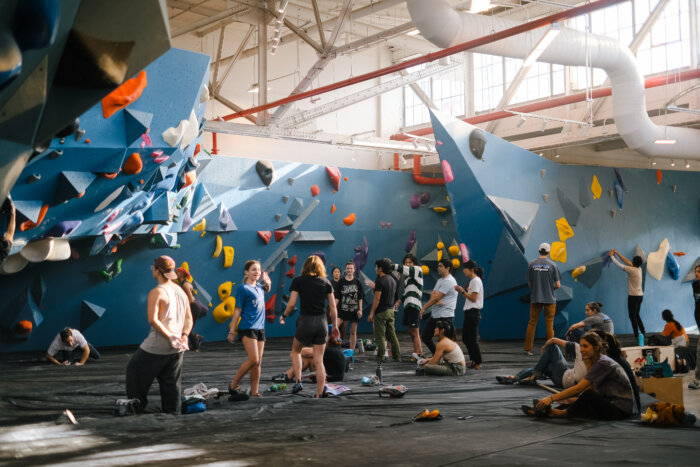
x,y
396,161
557,102
418,178
214,146
525,27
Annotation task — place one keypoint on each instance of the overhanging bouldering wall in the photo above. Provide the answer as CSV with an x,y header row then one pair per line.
x,y
508,200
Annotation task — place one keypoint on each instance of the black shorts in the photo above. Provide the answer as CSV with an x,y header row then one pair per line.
x,y
348,316
311,330
257,334
411,317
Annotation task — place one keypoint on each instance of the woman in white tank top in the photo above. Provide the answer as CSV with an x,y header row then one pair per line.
x,y
448,359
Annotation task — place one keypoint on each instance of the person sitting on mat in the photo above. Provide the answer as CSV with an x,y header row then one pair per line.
x,y
674,330
448,359
596,319
605,393
552,364
61,349
614,351
333,360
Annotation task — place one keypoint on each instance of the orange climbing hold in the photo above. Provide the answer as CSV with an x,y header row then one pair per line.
x,y
346,179
197,149
24,327
334,175
659,176
679,253
280,234
314,190
190,177
87,141
290,273
292,261
265,235
349,220
110,176
133,164
124,95
26,225
332,208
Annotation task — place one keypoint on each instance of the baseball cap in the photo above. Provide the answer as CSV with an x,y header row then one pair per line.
x,y
544,246
166,265
184,273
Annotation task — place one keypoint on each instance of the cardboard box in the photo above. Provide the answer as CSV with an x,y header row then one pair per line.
x,y
664,389
660,353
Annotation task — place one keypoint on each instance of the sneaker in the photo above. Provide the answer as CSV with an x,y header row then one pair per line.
x,y
297,388
529,353
416,356
282,378
694,385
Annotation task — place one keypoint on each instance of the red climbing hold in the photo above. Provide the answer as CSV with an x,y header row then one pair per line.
x,y
314,190
349,220
332,209
292,261
334,175
124,95
290,273
133,164
280,234
270,308
197,149
265,235
659,176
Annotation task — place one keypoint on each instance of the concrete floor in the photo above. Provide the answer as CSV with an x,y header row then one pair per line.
x,y
356,429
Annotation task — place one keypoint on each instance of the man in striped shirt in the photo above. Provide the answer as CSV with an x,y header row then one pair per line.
x,y
411,299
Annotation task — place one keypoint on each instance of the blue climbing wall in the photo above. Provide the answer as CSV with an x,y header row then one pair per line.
x,y
506,204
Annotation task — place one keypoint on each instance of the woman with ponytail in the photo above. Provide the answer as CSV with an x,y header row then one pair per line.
x,y
473,304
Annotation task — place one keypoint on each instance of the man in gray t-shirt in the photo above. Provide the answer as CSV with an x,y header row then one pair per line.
x,y
443,301
543,278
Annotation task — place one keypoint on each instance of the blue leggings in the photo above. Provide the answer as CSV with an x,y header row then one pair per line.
x,y
551,364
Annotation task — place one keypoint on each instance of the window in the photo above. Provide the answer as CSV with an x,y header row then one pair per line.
x,y
446,90
488,81
667,47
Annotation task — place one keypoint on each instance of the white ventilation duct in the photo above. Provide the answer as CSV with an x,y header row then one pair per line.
x,y
445,27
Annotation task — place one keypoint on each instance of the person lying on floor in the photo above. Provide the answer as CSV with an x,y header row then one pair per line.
x,y
595,319
333,360
605,393
61,349
448,359
553,365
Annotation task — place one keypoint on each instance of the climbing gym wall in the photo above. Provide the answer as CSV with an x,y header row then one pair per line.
x,y
506,201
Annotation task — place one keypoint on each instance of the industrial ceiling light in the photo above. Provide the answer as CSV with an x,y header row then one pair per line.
x,y
413,32
541,45
687,164
665,141
673,163
478,6
556,155
653,162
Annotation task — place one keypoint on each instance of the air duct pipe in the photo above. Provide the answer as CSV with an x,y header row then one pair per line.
x,y
445,27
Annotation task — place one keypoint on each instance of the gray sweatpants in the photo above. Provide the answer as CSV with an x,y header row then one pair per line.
x,y
144,367
445,369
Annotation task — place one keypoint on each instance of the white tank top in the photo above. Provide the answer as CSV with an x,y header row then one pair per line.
x,y
173,318
456,356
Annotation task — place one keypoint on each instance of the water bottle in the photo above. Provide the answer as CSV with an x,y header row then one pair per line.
x,y
277,387
650,358
360,346
641,340
379,372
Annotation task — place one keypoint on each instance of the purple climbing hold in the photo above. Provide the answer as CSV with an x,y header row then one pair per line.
x,y
411,240
607,259
415,201
424,197
362,252
62,229
321,255
620,180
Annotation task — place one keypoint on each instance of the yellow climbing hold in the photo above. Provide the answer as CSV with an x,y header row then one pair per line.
x,y
564,229
558,252
225,290
228,256
439,209
596,188
186,266
425,269
439,253
219,246
577,272
224,310
440,245
455,263
201,227
454,250
231,326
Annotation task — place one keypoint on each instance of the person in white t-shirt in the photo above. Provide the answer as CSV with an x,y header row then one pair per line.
x,y
60,351
443,301
472,311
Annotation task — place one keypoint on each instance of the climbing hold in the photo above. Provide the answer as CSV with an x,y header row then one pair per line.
x,y
62,229
89,313
424,197
465,252
146,139
27,225
577,272
112,271
385,225
290,180
334,175
265,235
158,157
136,124
270,308
679,253
201,226
70,184
314,190
564,229
346,179
295,209
278,217
228,256
124,95
558,252
285,198
35,177
659,176
454,250
440,246
543,172
415,201
349,220
673,266
280,234
656,260
447,171
545,197
218,248
110,175
290,273
596,188
197,149
439,209
620,180
425,270
224,290
187,179
55,154
674,188
133,164
292,261
361,254
79,133
455,264
411,240
266,171
439,255
224,310
619,194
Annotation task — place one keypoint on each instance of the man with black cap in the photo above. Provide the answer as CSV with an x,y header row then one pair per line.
x,y
543,278
160,354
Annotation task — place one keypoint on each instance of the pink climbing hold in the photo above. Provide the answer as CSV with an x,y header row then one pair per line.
x,y
334,175
411,240
146,139
314,190
438,142
447,172
113,215
465,252
265,235
415,201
